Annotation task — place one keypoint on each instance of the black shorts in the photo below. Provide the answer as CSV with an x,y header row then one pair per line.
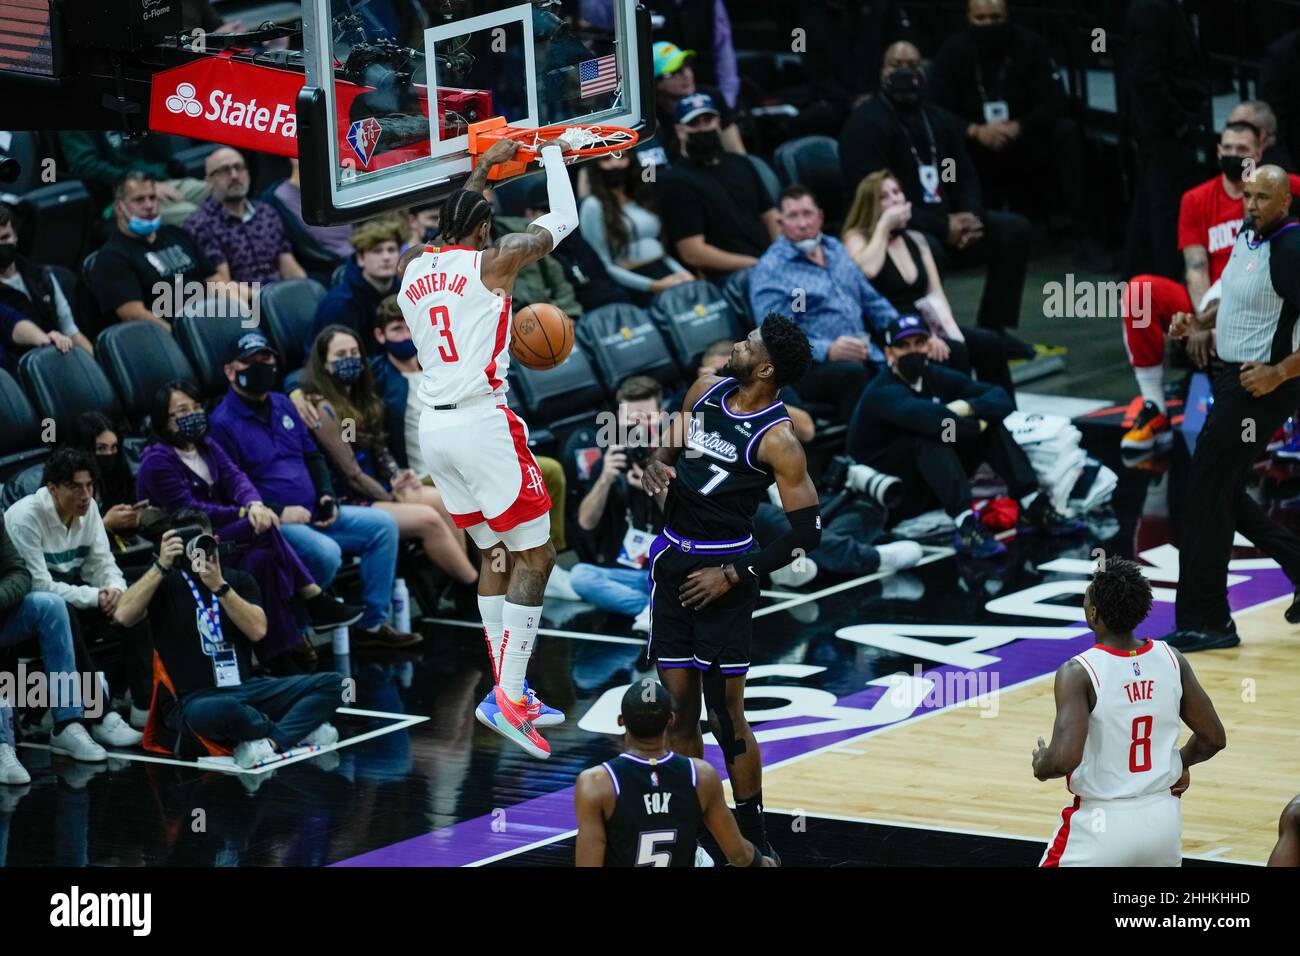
x,y
719,634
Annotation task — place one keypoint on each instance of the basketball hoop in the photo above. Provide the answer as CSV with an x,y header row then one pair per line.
x,y
586,139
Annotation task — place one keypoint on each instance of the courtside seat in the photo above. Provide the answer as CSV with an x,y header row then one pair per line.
x,y
736,291
206,342
814,161
20,429
569,389
693,316
138,357
57,221
289,309
623,340
63,386
19,486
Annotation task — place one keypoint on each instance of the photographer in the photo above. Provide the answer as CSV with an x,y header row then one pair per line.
x,y
620,518
206,654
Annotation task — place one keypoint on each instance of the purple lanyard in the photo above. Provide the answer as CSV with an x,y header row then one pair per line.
x,y
1255,244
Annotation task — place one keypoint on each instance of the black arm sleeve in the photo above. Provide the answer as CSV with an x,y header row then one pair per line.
x,y
1284,266
320,475
804,535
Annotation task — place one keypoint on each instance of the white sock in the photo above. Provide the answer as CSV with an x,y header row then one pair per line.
x,y
520,633
1028,499
489,609
1151,383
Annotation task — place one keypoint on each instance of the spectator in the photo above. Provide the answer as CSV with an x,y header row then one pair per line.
x,y
145,260
61,540
932,427
422,223
1279,86
102,158
999,79
340,386
619,519
619,220
582,265
261,432
707,28
540,281
717,216
27,615
42,314
319,249
810,277
181,469
243,239
674,78
847,545
714,362
1273,152
900,130
114,491
370,275
899,265
1167,83
207,657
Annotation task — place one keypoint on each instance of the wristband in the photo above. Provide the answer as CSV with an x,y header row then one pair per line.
x,y
222,591
159,568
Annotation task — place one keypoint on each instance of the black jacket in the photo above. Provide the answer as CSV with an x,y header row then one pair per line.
x,y
1166,78
40,308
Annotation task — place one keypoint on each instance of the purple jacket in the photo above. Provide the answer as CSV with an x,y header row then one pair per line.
x,y
170,484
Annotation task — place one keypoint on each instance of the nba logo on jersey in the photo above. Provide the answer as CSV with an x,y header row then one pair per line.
x,y
654,778
1137,669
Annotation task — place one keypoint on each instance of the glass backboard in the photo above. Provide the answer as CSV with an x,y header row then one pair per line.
x,y
393,85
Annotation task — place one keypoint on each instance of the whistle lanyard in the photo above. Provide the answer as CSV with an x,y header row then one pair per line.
x,y
213,614
1256,243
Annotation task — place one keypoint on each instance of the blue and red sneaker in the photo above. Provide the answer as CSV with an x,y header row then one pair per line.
x,y
544,716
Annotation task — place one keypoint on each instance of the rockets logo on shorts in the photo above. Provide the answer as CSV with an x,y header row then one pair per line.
x,y
535,483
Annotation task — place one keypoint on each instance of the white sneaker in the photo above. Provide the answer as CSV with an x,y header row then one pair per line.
x,y
322,736
558,586
898,555
74,742
642,622
789,577
11,771
139,717
252,752
113,731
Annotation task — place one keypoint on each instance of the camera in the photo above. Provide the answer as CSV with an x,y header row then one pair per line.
x,y
844,473
197,540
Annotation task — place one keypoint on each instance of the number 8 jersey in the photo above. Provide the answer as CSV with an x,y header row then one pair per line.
x,y
1132,744
461,328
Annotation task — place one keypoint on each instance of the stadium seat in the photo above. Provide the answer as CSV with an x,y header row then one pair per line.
x,y
56,222
20,429
138,357
569,389
64,386
22,484
206,342
623,340
192,158
24,147
289,309
736,291
692,316
765,172
814,161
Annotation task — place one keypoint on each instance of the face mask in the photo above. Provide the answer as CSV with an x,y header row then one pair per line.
x,y
348,370
806,246
1234,167
903,87
911,365
615,178
258,378
192,427
8,250
993,38
430,235
400,349
704,145
109,465
144,227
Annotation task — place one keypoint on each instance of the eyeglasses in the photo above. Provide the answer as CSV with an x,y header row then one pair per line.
x,y
230,169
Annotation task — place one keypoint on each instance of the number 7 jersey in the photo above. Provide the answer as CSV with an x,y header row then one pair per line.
x,y
460,327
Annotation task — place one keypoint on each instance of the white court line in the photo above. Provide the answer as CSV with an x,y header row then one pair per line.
x,y
552,632
532,846
401,722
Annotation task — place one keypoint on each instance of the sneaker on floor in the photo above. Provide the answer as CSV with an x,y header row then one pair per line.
x,y
322,736
74,742
485,712
12,773
512,721
559,586
1042,518
973,540
383,638
250,753
115,732
543,714
796,574
1150,430
898,555
325,613
139,717
641,623
1289,449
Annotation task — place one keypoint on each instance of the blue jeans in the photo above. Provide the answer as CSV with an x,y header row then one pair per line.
x,y
620,590
45,615
369,532
285,709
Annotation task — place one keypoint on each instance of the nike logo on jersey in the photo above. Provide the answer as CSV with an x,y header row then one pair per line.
x,y
710,443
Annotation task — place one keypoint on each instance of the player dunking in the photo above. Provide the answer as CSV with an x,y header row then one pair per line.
x,y
456,299
1118,711
704,567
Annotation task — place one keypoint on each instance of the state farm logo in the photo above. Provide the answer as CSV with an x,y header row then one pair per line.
x,y
224,108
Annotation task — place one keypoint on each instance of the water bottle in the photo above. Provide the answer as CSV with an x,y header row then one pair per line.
x,y
401,606
340,637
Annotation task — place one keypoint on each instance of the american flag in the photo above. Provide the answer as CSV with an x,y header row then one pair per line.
x,y
597,76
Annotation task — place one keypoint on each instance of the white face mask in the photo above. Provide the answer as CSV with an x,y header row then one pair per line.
x,y
806,246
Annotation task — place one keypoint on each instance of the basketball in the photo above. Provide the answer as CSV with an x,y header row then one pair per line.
x,y
541,336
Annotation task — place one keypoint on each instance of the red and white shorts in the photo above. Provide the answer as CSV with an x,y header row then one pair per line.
x,y
479,459
1138,831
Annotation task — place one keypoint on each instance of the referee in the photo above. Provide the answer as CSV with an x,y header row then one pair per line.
x,y
1256,337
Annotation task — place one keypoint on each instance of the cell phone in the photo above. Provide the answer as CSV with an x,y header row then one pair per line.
x,y
323,511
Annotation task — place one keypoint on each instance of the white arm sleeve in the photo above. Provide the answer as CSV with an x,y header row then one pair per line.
x,y
563,217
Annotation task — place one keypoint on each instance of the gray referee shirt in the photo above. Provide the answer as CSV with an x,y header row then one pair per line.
x,y
1261,297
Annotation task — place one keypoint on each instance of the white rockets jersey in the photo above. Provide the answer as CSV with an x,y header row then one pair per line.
x,y
461,328
1132,745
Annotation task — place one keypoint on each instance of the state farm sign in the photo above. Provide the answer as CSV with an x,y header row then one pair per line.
x,y
225,109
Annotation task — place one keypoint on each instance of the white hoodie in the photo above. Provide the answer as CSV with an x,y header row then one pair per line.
x,y
56,554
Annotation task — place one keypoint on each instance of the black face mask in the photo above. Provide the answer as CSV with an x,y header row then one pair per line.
x,y
903,87
1234,167
993,39
258,378
617,178
911,365
430,235
8,252
704,145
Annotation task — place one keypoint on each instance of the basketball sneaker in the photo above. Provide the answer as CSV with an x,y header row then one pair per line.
x,y
514,721
973,540
543,715
1151,430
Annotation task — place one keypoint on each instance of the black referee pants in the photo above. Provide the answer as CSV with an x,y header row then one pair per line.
x,y
1216,502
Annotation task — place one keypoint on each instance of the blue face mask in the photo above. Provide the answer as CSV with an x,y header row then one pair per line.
x,y
192,427
348,370
402,349
144,227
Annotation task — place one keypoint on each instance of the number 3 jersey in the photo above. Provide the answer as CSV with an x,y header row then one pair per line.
x,y
460,327
720,481
1132,745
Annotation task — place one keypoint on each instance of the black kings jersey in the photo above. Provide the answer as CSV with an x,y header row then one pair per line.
x,y
657,814
720,481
